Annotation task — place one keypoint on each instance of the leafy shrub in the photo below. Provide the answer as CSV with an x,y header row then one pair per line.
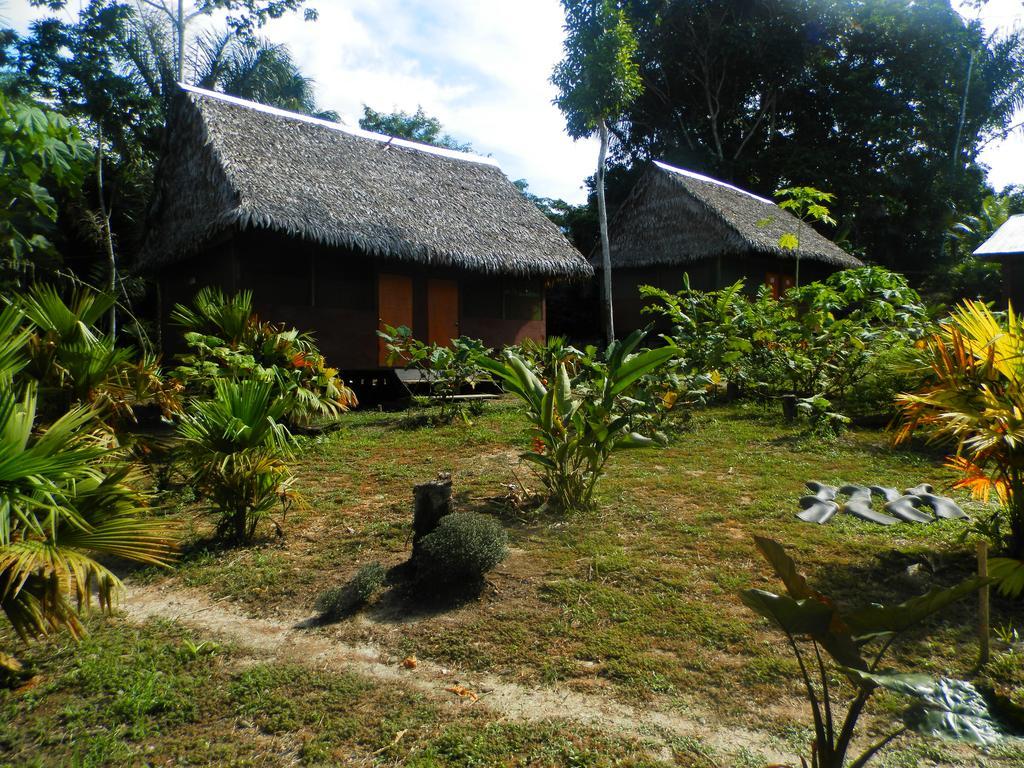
x,y
340,601
236,448
821,420
823,339
448,369
463,547
228,341
579,421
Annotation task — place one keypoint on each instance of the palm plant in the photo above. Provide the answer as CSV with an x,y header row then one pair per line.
x,y
974,397
74,363
580,421
237,446
258,70
64,499
228,340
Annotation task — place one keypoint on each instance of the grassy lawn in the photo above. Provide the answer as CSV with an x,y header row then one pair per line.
x,y
636,603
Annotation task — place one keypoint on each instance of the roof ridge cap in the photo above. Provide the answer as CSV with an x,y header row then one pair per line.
x,y
451,154
710,180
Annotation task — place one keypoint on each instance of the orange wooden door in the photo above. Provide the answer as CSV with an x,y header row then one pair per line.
x,y
394,307
442,311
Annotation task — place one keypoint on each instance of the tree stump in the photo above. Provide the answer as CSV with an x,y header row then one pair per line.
x,y
432,501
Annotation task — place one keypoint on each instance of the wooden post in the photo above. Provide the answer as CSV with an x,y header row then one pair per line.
x,y
983,608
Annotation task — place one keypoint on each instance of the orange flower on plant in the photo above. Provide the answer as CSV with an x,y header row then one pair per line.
x,y
538,445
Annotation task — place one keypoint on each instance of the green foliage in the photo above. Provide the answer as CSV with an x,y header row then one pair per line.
x,y
236,448
813,623
968,277
460,551
64,499
337,602
860,98
417,126
973,397
257,70
825,339
806,204
599,76
73,362
228,341
822,421
38,147
580,420
448,368
708,326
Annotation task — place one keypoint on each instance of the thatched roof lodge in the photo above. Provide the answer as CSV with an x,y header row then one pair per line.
x,y
1007,247
675,221
337,229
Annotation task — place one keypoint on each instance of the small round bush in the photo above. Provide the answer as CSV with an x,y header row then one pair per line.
x,y
463,547
339,601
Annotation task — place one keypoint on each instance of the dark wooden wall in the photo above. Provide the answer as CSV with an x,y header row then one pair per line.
x,y
332,293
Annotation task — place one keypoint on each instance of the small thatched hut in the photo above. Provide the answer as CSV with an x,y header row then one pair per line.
x,y
338,230
675,221
1007,247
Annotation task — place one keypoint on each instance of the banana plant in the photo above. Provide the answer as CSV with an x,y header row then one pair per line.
x,y
857,641
579,421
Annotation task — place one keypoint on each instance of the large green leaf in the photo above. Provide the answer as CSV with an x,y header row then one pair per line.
x,y
640,365
875,620
797,617
835,638
785,568
950,709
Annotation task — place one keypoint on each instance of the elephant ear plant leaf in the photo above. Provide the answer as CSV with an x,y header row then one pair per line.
x,y
857,641
579,420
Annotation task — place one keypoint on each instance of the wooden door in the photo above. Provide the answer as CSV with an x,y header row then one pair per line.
x,y
442,311
394,308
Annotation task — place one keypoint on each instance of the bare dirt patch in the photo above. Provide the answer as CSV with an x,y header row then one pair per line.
x,y
285,639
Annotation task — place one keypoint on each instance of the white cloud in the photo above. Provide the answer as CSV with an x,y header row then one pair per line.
x,y
1004,158
481,68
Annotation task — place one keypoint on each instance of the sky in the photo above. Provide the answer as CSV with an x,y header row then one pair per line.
x,y
482,67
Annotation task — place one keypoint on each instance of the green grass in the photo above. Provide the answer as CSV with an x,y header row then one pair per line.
x,y
636,601
156,695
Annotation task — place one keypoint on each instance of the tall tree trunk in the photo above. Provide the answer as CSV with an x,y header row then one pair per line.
x,y
606,258
181,41
108,237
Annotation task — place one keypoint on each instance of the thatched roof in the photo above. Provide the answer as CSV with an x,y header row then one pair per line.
x,y
1008,240
674,216
233,163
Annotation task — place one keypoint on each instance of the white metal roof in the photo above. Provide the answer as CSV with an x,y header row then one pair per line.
x,y
1009,238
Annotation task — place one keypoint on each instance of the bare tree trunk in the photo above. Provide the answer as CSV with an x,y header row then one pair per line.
x,y
108,238
606,258
181,41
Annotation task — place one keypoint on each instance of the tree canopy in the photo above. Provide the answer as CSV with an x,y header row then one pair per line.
x,y
598,77
870,100
414,126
